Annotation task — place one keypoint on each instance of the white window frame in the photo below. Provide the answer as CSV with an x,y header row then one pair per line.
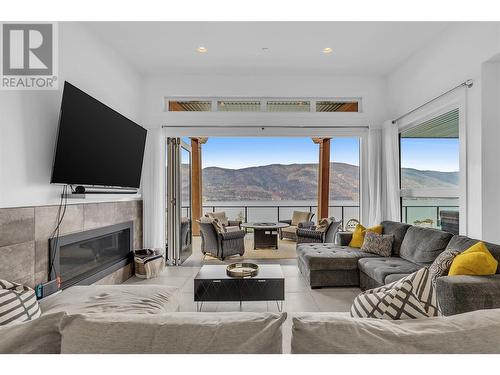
x,y
452,101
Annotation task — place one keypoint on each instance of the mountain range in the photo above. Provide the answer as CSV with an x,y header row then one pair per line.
x,y
299,182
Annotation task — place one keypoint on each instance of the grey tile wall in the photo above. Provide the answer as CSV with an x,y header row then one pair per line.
x,y
24,234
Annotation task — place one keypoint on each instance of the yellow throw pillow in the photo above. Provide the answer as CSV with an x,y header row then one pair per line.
x,y
476,260
358,236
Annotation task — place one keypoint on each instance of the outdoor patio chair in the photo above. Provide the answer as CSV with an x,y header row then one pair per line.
x,y
300,219
221,216
220,244
324,232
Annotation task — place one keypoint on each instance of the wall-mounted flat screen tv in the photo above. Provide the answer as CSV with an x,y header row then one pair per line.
x,y
96,146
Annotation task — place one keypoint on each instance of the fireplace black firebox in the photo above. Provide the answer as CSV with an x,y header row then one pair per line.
x,y
85,257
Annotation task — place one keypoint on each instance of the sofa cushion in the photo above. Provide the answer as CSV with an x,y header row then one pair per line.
x,y
394,277
338,333
462,243
129,299
329,256
398,230
423,245
173,333
463,293
39,336
379,268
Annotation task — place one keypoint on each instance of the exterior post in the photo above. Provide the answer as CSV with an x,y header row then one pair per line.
x,y
196,183
323,177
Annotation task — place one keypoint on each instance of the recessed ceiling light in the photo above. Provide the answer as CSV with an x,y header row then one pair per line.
x,y
201,49
327,50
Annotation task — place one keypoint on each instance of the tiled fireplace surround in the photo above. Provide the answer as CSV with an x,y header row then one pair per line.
x,y
24,234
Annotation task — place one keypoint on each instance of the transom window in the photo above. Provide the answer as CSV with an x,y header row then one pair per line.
x,y
263,105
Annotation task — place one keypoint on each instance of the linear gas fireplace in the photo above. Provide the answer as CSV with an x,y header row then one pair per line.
x,y
85,257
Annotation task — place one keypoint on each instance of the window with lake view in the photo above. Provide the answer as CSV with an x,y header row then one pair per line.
x,y
430,172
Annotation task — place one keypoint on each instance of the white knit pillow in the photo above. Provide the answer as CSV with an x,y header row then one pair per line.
x,y
17,303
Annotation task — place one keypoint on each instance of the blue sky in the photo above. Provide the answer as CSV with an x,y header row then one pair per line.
x,y
430,154
238,153
235,153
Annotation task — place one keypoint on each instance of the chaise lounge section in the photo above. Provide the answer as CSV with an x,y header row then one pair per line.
x,y
331,265
337,264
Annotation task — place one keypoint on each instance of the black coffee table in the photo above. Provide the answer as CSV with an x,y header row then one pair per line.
x,y
212,284
265,235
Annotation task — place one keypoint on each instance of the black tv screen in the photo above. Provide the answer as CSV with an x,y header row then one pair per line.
x,y
96,145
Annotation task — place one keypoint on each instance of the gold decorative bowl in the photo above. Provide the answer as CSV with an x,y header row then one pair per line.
x,y
242,270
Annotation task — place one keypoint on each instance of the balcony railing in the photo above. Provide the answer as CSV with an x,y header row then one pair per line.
x,y
430,213
344,212
273,213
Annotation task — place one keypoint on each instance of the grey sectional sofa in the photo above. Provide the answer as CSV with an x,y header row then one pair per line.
x,y
337,264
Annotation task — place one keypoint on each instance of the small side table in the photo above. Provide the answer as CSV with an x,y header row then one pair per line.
x,y
265,235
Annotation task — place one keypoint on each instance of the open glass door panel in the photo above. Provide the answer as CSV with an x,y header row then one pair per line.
x,y
179,217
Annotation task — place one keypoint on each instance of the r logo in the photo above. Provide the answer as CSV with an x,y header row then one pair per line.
x,y
27,49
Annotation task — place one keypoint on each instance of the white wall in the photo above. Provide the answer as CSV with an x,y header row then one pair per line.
x,y
490,133
28,119
372,91
451,58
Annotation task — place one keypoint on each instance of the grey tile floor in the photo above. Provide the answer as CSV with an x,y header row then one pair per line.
x,y
299,297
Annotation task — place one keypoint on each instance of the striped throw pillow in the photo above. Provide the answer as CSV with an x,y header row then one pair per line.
x,y
412,297
17,303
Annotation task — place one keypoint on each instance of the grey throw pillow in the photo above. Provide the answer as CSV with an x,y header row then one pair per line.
x,y
441,265
380,244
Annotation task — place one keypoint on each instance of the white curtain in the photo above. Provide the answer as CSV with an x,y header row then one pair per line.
x,y
383,174
390,172
153,190
375,194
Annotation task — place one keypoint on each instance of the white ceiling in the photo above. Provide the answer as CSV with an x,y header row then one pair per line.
x,y
359,48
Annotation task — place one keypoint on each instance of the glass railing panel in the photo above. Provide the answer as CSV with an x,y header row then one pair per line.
x,y
428,212
262,214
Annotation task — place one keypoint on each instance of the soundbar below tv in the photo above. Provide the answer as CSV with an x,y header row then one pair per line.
x,y
96,146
